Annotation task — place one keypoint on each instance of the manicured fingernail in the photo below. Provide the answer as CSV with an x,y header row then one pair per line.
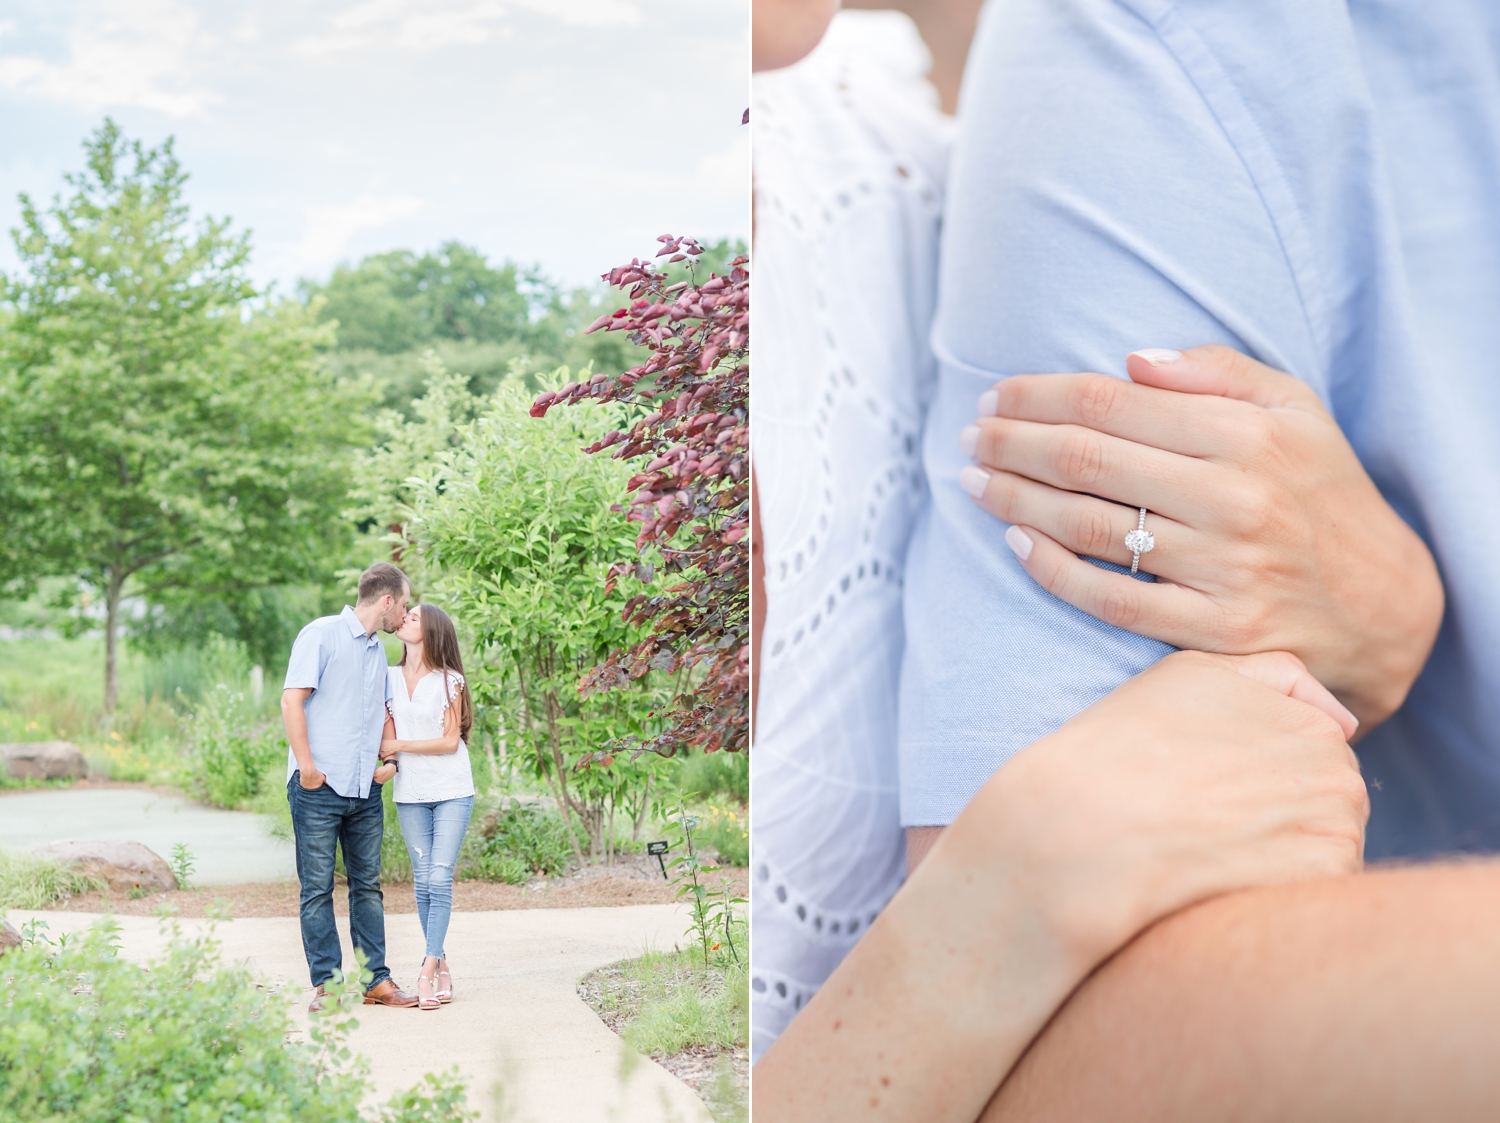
x,y
1019,542
1159,356
989,403
968,440
974,481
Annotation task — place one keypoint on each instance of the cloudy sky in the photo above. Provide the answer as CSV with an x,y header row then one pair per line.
x,y
569,133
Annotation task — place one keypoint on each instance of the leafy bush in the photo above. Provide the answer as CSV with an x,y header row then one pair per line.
x,y
724,828
29,882
228,752
691,497
706,775
89,1037
514,842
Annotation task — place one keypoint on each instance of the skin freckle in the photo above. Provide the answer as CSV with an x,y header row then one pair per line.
x,y
885,1081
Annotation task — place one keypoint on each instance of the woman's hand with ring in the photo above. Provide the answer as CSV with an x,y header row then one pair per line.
x,y
1269,534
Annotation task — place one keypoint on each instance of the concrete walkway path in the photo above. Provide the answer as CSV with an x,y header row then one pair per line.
x,y
228,847
516,1020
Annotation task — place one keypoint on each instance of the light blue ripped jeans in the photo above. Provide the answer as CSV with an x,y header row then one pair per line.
x,y
434,832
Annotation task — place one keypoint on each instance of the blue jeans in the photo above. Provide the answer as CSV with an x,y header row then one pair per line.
x,y
434,832
323,819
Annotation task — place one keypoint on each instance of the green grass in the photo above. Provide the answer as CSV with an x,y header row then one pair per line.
x,y
29,882
53,690
666,1002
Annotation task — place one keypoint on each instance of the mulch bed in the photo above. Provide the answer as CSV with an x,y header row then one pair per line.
x,y
631,882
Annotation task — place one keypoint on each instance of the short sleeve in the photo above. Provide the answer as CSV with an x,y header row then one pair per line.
x,y
1112,190
304,670
390,684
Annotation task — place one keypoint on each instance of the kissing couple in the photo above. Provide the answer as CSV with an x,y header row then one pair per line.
x,y
354,724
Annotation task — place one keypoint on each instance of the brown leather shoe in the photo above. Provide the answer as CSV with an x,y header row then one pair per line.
x,y
387,993
316,1005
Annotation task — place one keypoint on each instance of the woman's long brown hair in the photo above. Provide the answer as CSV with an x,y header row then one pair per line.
x,y
440,653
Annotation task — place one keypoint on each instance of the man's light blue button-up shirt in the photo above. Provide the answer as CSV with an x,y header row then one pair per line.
x,y
1314,182
345,668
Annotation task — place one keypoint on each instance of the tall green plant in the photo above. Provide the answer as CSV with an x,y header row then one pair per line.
x,y
517,521
160,435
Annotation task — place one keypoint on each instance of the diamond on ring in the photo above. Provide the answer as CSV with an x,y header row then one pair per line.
x,y
1139,541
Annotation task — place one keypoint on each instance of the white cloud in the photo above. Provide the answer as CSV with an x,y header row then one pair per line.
x,y
122,54
420,26
327,230
587,13
423,25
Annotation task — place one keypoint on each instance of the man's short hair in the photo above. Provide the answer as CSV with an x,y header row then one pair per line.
x,y
380,579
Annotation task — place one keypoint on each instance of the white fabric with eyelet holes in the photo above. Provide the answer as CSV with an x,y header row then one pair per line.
x,y
850,160
427,777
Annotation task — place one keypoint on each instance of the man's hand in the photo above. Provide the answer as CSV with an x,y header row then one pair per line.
x,y
1269,535
311,778
384,773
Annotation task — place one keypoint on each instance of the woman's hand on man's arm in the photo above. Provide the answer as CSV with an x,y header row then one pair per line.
x,y
1269,534
1202,775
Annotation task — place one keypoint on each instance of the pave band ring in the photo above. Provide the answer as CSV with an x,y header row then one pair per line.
x,y
1139,541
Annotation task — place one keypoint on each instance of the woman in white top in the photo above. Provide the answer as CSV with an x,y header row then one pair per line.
x,y
431,714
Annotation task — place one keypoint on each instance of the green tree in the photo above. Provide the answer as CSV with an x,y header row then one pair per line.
x,y
398,301
515,531
168,437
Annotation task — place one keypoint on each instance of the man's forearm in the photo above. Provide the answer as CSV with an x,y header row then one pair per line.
x,y
1373,997
295,719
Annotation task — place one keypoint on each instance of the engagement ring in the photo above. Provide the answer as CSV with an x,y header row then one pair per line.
x,y
1139,541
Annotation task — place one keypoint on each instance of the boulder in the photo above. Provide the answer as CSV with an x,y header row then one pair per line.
x,y
9,937
126,866
44,760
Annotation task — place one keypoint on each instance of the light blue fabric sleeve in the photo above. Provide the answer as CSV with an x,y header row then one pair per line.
x,y
304,669
1114,188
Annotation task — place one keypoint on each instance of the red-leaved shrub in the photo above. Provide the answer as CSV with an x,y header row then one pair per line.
x,y
691,496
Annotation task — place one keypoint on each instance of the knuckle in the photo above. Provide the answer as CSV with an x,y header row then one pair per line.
x,y
1080,457
1248,509
1091,530
1003,496
1120,608
1097,399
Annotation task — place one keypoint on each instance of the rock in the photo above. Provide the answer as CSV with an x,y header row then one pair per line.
x,y
127,866
44,760
9,937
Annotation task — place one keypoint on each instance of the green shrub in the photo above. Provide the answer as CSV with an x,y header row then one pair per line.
x,y
723,827
395,862
705,775
229,752
87,1036
514,842
29,882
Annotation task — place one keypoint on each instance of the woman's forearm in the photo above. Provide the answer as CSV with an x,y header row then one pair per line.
x,y
434,746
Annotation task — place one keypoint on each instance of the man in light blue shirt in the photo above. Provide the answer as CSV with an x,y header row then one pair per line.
x,y
1315,183
334,706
